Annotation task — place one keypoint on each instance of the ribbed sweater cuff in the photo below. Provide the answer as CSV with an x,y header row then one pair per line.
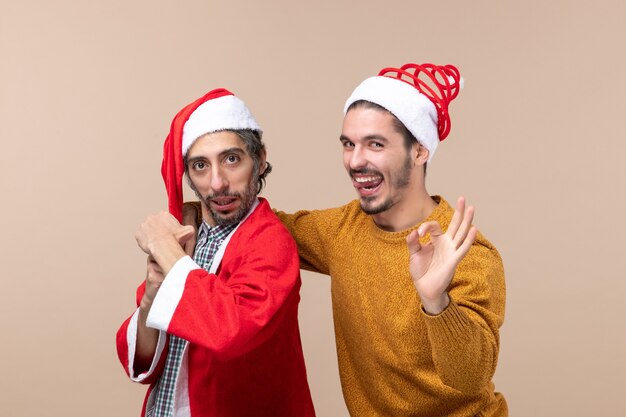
x,y
451,324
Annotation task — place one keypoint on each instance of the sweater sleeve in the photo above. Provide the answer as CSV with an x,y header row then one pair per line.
x,y
126,341
312,231
237,310
465,336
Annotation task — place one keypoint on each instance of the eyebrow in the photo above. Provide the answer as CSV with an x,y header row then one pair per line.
x,y
195,159
232,150
378,138
221,154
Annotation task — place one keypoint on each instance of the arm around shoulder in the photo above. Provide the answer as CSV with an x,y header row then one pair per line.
x,y
313,232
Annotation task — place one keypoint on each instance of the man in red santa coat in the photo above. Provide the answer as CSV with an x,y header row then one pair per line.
x,y
217,335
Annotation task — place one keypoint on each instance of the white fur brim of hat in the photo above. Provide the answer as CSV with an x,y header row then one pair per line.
x,y
222,113
404,101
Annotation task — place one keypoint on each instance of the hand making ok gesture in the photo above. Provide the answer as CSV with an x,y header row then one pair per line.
x,y
432,265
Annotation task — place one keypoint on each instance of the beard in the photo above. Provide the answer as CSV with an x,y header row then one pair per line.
x,y
247,198
398,180
368,207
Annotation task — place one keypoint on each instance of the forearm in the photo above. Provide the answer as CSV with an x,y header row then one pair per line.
x,y
227,318
233,312
147,339
147,369
464,352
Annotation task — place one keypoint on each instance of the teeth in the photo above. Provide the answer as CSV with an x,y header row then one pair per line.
x,y
366,179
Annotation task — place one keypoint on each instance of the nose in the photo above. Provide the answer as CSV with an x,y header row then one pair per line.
x,y
219,182
357,158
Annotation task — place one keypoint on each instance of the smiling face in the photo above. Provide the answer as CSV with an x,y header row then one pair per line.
x,y
223,175
382,169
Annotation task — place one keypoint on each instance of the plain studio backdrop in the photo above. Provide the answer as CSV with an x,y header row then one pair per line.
x,y
87,93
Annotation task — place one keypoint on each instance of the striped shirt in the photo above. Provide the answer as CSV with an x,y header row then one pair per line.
x,y
209,241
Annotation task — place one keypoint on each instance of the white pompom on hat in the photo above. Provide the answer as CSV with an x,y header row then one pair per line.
x,y
421,105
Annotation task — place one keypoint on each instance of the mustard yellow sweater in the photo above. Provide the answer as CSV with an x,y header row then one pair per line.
x,y
394,359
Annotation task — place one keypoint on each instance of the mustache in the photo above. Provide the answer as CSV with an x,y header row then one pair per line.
x,y
222,194
365,171
207,198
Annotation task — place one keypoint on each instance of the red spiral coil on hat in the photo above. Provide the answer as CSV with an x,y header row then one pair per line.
x,y
446,81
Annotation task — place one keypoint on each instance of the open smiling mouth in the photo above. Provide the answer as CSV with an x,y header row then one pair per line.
x,y
367,184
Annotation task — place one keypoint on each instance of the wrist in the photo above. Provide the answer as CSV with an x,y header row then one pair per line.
x,y
166,253
436,306
144,308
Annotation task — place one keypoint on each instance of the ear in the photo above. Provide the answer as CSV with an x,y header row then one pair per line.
x,y
420,153
262,165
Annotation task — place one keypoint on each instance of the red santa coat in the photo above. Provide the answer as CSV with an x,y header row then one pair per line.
x,y
244,356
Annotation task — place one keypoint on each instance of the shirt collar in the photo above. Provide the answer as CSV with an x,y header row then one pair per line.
x,y
205,231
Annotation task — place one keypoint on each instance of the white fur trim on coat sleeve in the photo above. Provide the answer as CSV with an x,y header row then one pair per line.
x,y
131,338
404,101
169,294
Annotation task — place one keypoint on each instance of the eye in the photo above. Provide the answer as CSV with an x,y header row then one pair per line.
x,y
377,145
199,165
231,159
347,144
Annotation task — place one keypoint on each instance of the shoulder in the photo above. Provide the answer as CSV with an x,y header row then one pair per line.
x,y
341,214
482,247
484,254
442,213
264,225
321,219
261,241
261,249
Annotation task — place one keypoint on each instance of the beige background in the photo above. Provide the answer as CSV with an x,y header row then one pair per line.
x,y
87,91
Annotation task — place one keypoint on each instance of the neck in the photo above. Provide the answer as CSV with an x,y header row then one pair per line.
x,y
413,209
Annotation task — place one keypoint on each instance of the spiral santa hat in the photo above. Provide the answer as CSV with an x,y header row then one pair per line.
x,y
217,110
418,95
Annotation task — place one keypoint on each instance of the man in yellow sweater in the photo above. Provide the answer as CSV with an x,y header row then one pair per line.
x,y
418,294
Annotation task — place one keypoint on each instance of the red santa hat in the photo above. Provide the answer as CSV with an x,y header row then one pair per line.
x,y
418,95
217,110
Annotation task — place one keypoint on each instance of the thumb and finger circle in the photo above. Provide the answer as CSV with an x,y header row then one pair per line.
x,y
431,227
413,243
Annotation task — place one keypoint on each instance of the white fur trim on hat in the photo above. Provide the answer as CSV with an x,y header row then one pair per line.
x,y
222,113
404,101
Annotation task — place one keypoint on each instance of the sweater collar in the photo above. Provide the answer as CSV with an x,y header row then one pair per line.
x,y
439,214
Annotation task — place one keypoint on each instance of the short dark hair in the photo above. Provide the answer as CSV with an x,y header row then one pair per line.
x,y
408,137
253,142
